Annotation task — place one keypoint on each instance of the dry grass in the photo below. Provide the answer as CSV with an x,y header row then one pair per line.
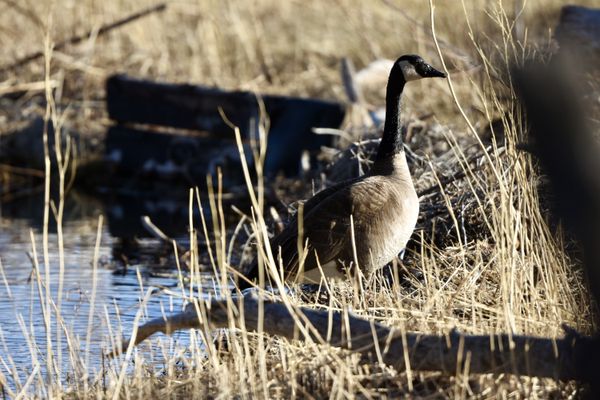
x,y
484,258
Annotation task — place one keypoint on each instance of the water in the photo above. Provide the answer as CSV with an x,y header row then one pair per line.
x,y
119,292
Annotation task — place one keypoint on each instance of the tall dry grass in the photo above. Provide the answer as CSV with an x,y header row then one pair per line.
x,y
487,262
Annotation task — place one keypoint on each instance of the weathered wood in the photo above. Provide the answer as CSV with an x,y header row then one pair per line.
x,y
197,108
136,147
182,106
496,354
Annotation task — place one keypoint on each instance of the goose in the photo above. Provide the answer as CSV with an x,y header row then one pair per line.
x,y
368,219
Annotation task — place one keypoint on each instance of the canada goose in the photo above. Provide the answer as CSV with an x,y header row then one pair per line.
x,y
383,204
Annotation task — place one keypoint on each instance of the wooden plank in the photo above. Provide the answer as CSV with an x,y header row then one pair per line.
x,y
197,108
133,101
182,106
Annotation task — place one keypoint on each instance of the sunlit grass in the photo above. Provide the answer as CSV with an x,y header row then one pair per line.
x,y
512,275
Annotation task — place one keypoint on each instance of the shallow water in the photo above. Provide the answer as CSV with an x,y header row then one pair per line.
x,y
117,299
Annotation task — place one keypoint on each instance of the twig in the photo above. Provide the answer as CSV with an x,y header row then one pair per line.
x,y
79,38
159,234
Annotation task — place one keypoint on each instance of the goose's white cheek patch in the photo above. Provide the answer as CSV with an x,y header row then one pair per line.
x,y
409,71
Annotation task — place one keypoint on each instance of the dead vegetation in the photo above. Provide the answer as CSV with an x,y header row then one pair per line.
x,y
486,257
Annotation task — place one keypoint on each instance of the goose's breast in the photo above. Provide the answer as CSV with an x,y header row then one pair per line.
x,y
386,235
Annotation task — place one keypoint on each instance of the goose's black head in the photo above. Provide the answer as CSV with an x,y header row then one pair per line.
x,y
414,67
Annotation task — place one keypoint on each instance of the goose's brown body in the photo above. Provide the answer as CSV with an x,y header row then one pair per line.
x,y
368,219
384,209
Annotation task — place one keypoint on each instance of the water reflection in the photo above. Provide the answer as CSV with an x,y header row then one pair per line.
x,y
122,211
118,295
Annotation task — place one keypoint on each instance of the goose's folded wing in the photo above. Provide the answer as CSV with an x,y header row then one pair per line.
x,y
326,227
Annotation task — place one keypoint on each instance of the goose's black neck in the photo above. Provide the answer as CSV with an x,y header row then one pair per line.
x,y
392,140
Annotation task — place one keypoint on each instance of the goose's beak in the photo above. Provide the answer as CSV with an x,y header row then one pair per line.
x,y
433,73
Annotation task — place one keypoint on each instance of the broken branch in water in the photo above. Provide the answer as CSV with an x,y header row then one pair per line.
x,y
496,354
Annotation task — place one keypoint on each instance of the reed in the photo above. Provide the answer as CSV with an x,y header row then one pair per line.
x,y
484,258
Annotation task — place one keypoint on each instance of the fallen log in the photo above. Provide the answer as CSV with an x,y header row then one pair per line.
x,y
483,354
